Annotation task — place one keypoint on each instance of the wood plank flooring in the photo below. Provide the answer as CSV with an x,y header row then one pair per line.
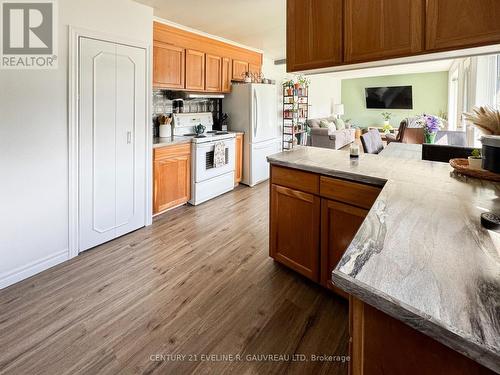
x,y
197,282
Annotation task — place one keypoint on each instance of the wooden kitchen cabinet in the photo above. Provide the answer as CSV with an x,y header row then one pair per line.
x,y
381,29
239,70
467,23
314,219
314,34
254,69
213,73
238,174
226,74
168,66
194,62
172,176
295,227
339,224
383,345
195,70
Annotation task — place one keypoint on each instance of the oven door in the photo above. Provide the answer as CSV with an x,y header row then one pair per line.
x,y
204,160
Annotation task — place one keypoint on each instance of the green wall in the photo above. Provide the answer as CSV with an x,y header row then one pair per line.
x,y
430,96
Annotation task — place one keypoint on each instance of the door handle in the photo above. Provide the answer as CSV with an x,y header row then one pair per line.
x,y
129,137
256,111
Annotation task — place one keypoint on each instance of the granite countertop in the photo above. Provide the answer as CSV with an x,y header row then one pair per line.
x,y
421,254
162,142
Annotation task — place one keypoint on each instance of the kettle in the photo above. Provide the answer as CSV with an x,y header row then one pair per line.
x,y
199,129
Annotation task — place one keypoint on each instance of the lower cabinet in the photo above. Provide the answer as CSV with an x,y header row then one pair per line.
x,y
314,219
382,345
295,227
172,176
339,224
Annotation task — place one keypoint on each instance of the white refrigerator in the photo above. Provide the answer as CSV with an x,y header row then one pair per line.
x,y
252,110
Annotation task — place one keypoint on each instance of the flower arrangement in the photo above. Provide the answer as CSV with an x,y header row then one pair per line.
x,y
431,125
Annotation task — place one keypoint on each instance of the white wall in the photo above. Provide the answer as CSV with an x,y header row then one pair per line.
x,y
278,73
34,141
324,91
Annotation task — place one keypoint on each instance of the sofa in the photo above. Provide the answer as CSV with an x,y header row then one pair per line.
x,y
329,137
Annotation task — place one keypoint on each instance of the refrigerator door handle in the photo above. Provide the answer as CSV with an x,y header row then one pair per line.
x,y
256,112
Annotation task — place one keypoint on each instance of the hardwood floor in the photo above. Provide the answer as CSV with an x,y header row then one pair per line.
x,y
197,282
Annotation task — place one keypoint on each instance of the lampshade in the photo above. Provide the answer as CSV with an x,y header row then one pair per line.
x,y
338,109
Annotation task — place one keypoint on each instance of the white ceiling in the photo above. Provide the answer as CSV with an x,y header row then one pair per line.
x,y
260,24
418,67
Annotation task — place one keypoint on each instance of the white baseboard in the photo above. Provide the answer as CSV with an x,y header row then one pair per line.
x,y
30,269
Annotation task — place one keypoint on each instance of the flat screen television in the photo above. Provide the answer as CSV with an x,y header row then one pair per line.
x,y
394,97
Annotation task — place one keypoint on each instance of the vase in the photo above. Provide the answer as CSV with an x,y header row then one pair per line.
x,y
429,137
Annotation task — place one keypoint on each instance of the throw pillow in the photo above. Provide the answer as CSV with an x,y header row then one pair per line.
x,y
340,124
324,124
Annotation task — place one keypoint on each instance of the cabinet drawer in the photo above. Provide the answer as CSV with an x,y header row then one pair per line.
x,y
171,151
348,192
292,178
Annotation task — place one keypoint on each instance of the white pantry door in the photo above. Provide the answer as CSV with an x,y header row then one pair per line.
x,y
112,146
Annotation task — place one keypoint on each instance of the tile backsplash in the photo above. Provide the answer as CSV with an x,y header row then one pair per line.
x,y
163,106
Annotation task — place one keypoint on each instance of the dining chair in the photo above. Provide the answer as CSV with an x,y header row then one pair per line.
x,y
372,142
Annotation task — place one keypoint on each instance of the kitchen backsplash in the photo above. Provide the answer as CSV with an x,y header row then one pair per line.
x,y
163,106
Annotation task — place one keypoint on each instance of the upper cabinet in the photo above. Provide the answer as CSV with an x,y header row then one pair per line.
x,y
168,66
195,70
213,73
239,70
186,61
468,23
226,74
379,29
327,33
314,33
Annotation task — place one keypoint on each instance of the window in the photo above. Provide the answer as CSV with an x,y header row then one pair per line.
x,y
453,101
497,80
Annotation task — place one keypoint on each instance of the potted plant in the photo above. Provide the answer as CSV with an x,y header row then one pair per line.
x,y
387,128
487,120
431,126
475,159
386,116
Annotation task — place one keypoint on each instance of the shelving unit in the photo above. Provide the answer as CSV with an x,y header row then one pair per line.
x,y
295,113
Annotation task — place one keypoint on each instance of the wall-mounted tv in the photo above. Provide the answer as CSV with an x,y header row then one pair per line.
x,y
394,97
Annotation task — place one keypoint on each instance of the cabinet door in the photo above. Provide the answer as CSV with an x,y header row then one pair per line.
x,y
467,23
172,177
314,34
226,74
294,240
239,159
339,224
213,73
380,29
254,69
195,70
239,70
168,66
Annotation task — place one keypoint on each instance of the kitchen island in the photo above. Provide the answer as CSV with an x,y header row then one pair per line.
x,y
421,273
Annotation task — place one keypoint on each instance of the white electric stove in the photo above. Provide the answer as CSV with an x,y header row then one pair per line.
x,y
207,181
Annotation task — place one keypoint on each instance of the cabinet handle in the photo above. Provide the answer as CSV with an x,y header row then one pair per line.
x,y
129,137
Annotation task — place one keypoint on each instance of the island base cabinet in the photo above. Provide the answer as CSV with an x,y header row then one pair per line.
x,y
339,224
381,345
294,238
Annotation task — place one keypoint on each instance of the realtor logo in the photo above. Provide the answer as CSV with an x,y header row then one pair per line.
x,y
28,34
